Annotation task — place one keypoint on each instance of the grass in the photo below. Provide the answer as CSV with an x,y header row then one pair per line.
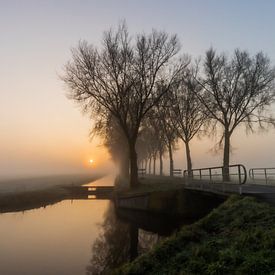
x,y
31,199
150,184
238,237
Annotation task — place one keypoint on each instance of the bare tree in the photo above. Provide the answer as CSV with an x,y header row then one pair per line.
x,y
161,145
152,149
142,148
158,144
237,91
121,78
187,112
114,236
170,132
164,130
114,140
150,144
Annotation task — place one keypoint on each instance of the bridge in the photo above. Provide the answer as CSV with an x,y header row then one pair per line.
x,y
234,179
90,192
258,182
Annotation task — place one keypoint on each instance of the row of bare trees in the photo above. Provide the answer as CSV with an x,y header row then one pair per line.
x,y
144,97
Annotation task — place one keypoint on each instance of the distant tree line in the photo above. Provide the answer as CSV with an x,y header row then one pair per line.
x,y
144,96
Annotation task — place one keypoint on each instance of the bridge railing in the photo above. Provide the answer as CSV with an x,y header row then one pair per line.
x,y
265,173
236,174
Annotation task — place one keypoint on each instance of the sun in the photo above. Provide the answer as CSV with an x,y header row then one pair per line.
x,y
91,161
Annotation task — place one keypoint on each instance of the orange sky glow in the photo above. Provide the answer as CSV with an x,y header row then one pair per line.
x,y
43,132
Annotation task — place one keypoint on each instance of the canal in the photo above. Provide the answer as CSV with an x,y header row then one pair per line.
x,y
78,237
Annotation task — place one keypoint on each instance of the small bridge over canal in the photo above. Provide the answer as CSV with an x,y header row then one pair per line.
x,y
90,192
258,182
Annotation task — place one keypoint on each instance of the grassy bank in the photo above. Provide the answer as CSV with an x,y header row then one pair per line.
x,y
150,184
21,201
238,237
49,191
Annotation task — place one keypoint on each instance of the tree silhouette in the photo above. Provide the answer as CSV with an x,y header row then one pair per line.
x,y
115,236
147,145
115,141
237,90
121,78
187,113
157,143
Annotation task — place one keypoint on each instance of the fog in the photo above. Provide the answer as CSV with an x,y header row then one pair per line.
x,y
43,133
252,150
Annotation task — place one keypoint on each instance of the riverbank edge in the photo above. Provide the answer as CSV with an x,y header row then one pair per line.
x,y
148,185
238,237
27,200
166,195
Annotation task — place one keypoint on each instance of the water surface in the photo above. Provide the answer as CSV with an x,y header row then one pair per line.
x,y
78,237
52,240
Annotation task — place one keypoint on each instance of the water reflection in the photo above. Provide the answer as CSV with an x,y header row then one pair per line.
x,y
125,234
112,246
57,239
122,240
51,240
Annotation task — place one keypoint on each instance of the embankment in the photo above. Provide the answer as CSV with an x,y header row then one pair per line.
x,y
167,195
238,237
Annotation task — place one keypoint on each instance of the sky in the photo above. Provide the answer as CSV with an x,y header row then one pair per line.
x,y
42,132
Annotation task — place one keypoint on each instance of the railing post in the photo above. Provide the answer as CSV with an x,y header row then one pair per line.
x,y
239,172
265,175
210,174
244,174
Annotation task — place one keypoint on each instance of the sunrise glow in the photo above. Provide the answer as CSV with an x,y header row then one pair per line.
x,y
122,122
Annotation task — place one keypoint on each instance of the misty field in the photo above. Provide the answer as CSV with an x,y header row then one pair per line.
x,y
27,193
44,182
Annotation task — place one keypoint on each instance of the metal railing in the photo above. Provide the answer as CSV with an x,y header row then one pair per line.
x,y
259,173
218,174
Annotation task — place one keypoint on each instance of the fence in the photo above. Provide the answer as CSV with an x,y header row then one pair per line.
x,y
236,174
266,174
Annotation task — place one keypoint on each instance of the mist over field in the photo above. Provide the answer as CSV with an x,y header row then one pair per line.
x,y
43,133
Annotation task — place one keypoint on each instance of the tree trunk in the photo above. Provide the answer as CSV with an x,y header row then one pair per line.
x,y
171,159
160,163
124,166
150,162
133,165
188,159
146,164
154,164
226,156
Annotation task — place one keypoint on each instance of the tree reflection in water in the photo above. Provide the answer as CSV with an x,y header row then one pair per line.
x,y
118,242
111,248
